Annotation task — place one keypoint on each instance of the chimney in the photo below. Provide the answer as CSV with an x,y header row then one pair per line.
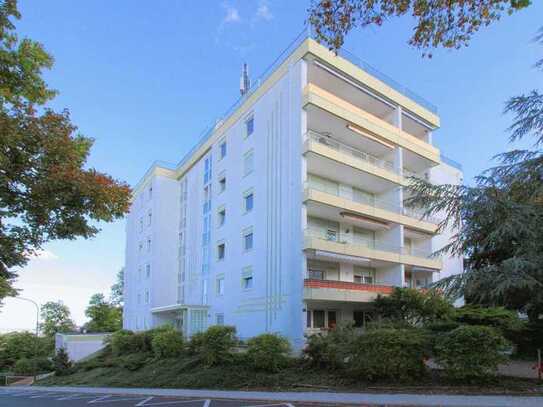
x,y
244,81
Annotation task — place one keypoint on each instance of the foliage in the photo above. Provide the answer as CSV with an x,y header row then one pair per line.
x,y
133,361
331,350
470,353
527,339
124,342
413,307
47,192
18,345
449,24
268,352
56,318
214,346
497,317
117,289
62,363
167,343
389,354
33,366
104,316
498,223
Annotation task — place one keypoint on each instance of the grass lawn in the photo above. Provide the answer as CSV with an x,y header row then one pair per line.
x,y
143,370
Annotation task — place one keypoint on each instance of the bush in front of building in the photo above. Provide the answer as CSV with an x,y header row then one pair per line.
x,y
268,352
214,346
62,364
389,354
167,342
331,350
470,353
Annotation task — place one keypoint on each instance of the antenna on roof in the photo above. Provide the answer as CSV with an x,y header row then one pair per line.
x,y
244,81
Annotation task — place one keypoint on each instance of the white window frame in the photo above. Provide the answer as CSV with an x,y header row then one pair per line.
x,y
221,214
219,244
250,117
248,171
221,144
246,194
246,232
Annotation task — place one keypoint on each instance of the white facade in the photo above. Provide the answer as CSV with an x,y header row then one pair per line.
x,y
289,216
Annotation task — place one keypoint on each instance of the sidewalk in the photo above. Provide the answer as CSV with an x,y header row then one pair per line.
x,y
318,397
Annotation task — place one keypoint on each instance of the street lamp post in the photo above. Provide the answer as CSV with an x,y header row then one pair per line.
x,y
37,312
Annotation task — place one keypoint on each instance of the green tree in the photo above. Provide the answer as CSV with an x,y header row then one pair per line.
x,y
18,345
46,190
499,221
104,316
413,307
56,318
445,23
117,289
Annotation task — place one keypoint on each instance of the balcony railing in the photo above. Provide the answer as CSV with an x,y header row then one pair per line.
x,y
364,243
374,203
347,285
327,140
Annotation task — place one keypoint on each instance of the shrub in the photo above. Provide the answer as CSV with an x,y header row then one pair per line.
x,y
331,350
24,366
18,345
215,345
470,353
497,317
62,363
133,361
268,352
125,342
391,354
167,343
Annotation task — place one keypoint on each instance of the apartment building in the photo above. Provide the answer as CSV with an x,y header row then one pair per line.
x,y
289,216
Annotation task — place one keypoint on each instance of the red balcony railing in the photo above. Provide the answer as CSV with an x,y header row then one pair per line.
x,y
347,285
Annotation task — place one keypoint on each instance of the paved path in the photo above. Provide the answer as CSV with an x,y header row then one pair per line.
x,y
216,398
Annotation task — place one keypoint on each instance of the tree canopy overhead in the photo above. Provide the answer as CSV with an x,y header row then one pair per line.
x,y
438,23
47,191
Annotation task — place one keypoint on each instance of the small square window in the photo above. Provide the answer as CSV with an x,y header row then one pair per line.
x,y
221,251
220,286
148,245
248,201
141,224
249,126
248,163
247,282
149,218
222,149
147,296
222,184
221,214
248,241
150,192
147,271
140,247
219,318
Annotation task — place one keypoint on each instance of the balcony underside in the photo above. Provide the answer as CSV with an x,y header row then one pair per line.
x,y
313,95
328,206
352,252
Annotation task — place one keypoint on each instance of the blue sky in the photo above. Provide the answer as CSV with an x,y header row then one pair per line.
x,y
145,78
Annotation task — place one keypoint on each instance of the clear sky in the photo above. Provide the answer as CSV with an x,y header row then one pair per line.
x,y
144,78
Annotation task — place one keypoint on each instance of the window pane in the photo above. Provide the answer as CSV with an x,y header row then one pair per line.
x,y
250,124
318,317
332,319
249,202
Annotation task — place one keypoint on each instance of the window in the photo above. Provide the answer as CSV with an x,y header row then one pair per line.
x,y
248,240
248,162
139,298
318,319
248,201
149,244
247,278
147,271
249,126
221,251
150,193
221,216
207,170
220,285
219,318
139,273
222,183
316,274
363,275
141,224
149,218
147,296
331,235
140,247
222,149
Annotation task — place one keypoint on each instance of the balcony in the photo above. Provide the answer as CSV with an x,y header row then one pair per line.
x,y
318,196
334,290
350,246
342,156
372,125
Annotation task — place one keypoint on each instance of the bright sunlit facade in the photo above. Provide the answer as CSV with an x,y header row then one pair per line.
x,y
289,216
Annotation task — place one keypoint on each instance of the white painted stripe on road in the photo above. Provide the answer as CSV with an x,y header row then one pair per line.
x,y
80,396
271,405
142,403
165,403
108,399
97,400
207,403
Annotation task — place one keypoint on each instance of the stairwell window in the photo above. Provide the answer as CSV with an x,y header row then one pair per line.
x,y
147,296
148,271
219,319
220,285
247,278
221,251
249,126
248,239
221,216
222,149
149,218
222,183
248,201
248,162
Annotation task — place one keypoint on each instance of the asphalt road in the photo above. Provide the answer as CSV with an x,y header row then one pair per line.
x,y
11,397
